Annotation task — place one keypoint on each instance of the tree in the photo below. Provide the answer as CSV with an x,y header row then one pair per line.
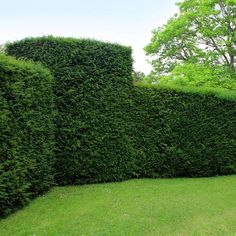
x,y
200,75
202,33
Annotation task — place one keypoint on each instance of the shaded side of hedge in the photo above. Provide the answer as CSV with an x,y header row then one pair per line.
x,y
26,132
183,133
92,83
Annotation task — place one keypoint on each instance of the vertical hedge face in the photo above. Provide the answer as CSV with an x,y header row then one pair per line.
x,y
183,134
92,80
108,130
26,138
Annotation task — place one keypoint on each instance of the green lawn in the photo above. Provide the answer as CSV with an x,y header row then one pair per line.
x,y
205,206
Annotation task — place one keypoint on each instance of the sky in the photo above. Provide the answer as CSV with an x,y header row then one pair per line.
x,y
127,22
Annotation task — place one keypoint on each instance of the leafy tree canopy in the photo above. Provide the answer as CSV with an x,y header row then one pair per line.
x,y
201,35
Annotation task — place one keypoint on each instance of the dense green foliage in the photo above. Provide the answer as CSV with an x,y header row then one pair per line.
x,y
109,130
92,81
201,36
199,76
26,132
144,207
184,132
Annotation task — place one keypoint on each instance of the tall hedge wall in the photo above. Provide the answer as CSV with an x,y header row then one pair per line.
x,y
26,132
109,130
184,133
92,81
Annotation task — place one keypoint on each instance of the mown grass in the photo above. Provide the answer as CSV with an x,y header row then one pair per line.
x,y
204,206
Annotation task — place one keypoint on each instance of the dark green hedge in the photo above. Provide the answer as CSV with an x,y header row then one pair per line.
x,y
109,130
26,132
92,81
184,133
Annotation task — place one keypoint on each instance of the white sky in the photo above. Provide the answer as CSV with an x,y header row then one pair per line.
x,y
128,22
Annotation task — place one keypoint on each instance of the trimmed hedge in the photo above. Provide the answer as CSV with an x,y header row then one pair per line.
x,y
26,138
109,130
184,132
92,82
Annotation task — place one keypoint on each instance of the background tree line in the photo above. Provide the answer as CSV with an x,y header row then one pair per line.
x,y
196,47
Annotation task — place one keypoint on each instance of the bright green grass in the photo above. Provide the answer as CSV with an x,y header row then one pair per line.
x,y
205,206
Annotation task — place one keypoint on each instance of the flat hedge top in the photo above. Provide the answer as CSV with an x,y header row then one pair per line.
x,y
71,40
73,58
204,91
11,64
